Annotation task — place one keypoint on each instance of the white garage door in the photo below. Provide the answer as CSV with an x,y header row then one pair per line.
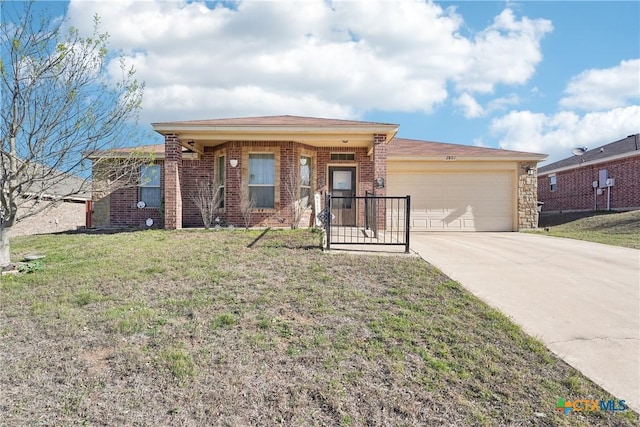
x,y
457,201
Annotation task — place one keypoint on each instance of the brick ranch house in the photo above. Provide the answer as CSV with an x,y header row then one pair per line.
x,y
453,187
606,177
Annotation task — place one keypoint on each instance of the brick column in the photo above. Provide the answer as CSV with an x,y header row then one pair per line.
x,y
233,186
172,182
380,171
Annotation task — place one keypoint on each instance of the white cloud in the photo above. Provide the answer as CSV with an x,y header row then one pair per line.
x,y
601,89
498,104
557,134
507,52
236,101
315,57
470,107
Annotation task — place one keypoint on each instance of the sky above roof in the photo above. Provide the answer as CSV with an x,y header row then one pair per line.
x,y
537,76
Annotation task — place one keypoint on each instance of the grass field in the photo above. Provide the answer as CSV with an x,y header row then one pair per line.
x,y
240,328
611,228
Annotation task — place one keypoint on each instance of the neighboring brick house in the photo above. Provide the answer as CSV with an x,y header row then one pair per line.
x,y
603,178
256,158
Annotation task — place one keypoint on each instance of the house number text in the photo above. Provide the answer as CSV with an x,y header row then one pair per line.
x,y
450,158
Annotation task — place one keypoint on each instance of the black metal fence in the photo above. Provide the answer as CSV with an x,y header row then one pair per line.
x,y
367,220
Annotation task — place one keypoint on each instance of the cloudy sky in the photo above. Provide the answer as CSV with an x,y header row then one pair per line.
x,y
535,76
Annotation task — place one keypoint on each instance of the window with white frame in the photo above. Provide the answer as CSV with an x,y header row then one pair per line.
x,y
553,182
221,180
150,186
262,177
305,181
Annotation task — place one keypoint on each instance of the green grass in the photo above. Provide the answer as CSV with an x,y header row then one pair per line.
x,y
610,228
235,328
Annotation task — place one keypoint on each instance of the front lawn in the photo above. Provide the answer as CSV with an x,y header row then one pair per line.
x,y
610,228
262,328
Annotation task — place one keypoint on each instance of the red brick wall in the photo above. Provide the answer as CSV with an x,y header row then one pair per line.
x,y
123,210
287,161
193,172
289,154
364,165
180,211
173,176
575,191
362,160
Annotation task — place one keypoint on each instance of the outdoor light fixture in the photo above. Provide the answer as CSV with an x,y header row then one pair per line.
x,y
233,162
529,169
379,182
344,141
303,161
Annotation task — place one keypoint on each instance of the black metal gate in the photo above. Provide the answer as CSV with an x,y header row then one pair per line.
x,y
372,220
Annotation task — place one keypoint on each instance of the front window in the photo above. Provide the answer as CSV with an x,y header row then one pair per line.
x,y
221,178
150,186
305,181
262,177
553,182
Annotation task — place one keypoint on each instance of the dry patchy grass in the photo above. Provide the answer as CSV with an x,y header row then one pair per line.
x,y
199,328
610,228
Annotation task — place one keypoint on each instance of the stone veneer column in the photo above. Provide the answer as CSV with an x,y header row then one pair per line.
x,y
380,171
172,182
527,197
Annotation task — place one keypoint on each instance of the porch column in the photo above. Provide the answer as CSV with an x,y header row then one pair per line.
x,y
380,171
172,182
527,196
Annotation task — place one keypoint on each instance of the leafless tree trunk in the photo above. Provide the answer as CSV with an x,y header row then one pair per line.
x,y
60,104
292,191
247,205
206,197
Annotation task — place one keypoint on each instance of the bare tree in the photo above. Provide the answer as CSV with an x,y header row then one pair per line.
x,y
247,205
207,197
59,105
297,204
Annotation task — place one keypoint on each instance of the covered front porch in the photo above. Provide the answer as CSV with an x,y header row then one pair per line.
x,y
266,169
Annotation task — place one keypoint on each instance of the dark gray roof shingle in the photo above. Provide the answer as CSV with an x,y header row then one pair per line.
x,y
630,144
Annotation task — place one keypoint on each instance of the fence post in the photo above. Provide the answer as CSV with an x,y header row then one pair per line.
x,y
374,208
366,210
407,223
327,207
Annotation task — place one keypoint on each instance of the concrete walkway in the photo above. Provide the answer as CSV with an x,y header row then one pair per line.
x,y
581,299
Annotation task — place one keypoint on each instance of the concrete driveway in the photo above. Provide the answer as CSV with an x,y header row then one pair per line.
x,y
581,299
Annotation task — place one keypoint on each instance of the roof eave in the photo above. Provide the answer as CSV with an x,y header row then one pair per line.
x,y
169,128
589,163
463,158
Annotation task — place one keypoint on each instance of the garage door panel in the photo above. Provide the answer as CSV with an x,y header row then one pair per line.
x,y
451,201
